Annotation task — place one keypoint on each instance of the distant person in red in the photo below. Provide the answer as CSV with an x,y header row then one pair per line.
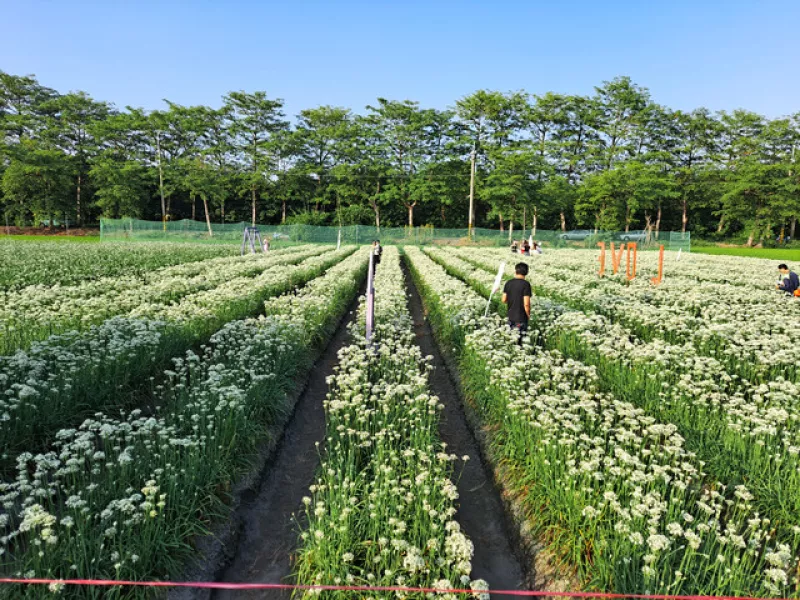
x,y
517,295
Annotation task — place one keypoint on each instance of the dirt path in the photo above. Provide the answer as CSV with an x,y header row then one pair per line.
x,y
270,535
480,511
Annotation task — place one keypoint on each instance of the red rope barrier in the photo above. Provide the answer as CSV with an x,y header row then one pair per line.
x,y
357,588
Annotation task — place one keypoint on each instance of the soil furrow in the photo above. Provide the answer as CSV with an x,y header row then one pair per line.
x,y
270,535
480,509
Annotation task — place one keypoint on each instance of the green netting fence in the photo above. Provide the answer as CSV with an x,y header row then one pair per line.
x,y
231,233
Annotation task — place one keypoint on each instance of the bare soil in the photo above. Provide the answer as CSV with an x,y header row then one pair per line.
x,y
55,231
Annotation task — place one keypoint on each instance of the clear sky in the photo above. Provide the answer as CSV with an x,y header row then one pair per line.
x,y
722,54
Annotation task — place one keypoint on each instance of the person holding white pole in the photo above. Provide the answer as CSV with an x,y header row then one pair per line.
x,y
517,295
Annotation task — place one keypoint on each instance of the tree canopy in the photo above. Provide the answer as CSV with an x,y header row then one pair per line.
x,y
614,159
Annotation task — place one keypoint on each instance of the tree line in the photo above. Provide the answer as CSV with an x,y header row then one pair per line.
x,y
614,160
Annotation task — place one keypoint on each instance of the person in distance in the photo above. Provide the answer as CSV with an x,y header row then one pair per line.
x,y
788,281
517,295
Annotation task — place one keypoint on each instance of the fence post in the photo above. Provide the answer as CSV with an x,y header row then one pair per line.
x,y
370,317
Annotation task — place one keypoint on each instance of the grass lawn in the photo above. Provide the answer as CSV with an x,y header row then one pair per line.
x,y
66,239
787,254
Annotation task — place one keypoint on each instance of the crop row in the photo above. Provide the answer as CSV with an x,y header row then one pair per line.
x,y
49,263
610,489
122,497
68,377
35,313
744,432
382,508
745,327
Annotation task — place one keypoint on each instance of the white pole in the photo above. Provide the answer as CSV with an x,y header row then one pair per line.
x,y
370,320
339,240
495,286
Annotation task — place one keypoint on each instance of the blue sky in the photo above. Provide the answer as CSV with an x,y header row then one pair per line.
x,y
714,53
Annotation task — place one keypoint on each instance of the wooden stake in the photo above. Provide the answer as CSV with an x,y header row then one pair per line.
x,y
616,257
657,280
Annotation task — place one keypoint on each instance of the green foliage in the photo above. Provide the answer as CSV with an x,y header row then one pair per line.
x,y
614,158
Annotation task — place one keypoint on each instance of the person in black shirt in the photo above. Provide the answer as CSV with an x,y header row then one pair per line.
x,y
377,250
788,281
517,295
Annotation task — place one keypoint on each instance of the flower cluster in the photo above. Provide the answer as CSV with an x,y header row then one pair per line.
x,y
50,263
381,511
616,489
36,312
70,376
110,496
742,428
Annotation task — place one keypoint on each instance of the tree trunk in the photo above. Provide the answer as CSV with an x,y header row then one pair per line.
x,y
658,222
441,209
684,216
511,230
751,237
208,217
283,211
524,218
410,215
627,220
500,215
194,207
563,221
161,182
792,226
78,201
471,216
721,224
375,208
535,221
253,201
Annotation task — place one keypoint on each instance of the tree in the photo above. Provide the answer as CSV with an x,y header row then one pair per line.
x,y
407,137
697,134
255,119
488,119
327,136
622,106
615,196
756,193
512,183
70,127
120,172
36,181
558,195
23,104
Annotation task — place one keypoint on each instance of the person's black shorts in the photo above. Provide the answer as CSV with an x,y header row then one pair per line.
x,y
521,327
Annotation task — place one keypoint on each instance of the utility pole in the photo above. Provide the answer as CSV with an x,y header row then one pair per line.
x,y
471,222
161,182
